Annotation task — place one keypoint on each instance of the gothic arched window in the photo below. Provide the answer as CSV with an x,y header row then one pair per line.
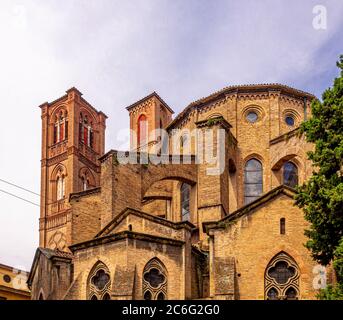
x,y
154,281
99,283
86,133
61,127
87,179
290,174
142,130
253,180
281,279
185,191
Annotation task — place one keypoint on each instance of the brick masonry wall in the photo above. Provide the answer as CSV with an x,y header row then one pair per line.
x,y
254,239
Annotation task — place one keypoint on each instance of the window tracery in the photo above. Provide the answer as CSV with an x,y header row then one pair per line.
x,y
60,127
86,132
99,283
282,278
154,281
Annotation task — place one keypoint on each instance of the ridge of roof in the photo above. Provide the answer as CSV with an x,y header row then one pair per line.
x,y
282,189
116,220
153,94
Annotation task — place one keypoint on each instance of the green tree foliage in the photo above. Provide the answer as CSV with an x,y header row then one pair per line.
x,y
321,197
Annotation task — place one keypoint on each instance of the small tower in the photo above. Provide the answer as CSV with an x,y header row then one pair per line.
x,y
73,138
147,115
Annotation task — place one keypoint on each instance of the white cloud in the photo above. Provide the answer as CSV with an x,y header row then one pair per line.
x,y
117,52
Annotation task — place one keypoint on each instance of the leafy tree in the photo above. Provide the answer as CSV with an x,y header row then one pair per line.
x,y
321,197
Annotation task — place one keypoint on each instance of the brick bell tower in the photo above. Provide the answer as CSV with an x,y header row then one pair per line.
x,y
147,115
73,138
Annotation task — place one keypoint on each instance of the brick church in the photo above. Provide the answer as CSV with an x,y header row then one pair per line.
x,y
110,230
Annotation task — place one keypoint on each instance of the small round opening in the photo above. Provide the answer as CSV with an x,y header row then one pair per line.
x,y
7,278
289,120
252,116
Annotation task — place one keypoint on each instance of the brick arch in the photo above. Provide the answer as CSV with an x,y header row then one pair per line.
x,y
287,151
59,167
294,159
253,155
86,172
56,111
159,261
268,255
91,115
254,107
282,160
180,172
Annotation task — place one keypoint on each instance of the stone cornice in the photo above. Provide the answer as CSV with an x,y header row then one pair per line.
x,y
285,136
78,195
214,121
57,159
123,236
14,291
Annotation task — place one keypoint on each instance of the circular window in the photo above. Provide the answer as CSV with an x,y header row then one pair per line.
x,y
252,116
289,120
7,278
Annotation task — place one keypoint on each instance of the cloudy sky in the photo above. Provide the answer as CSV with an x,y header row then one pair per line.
x,y
116,52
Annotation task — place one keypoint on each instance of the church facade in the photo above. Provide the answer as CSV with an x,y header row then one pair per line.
x,y
172,230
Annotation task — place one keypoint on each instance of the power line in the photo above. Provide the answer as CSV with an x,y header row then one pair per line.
x,y
22,188
15,196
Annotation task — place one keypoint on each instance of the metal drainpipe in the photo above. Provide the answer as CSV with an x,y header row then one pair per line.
x,y
305,109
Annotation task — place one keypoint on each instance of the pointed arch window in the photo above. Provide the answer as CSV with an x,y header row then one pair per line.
x,y
253,180
86,132
154,281
282,278
185,191
99,283
142,130
86,179
290,174
61,127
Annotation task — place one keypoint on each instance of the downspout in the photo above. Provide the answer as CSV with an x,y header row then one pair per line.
x,y
305,108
